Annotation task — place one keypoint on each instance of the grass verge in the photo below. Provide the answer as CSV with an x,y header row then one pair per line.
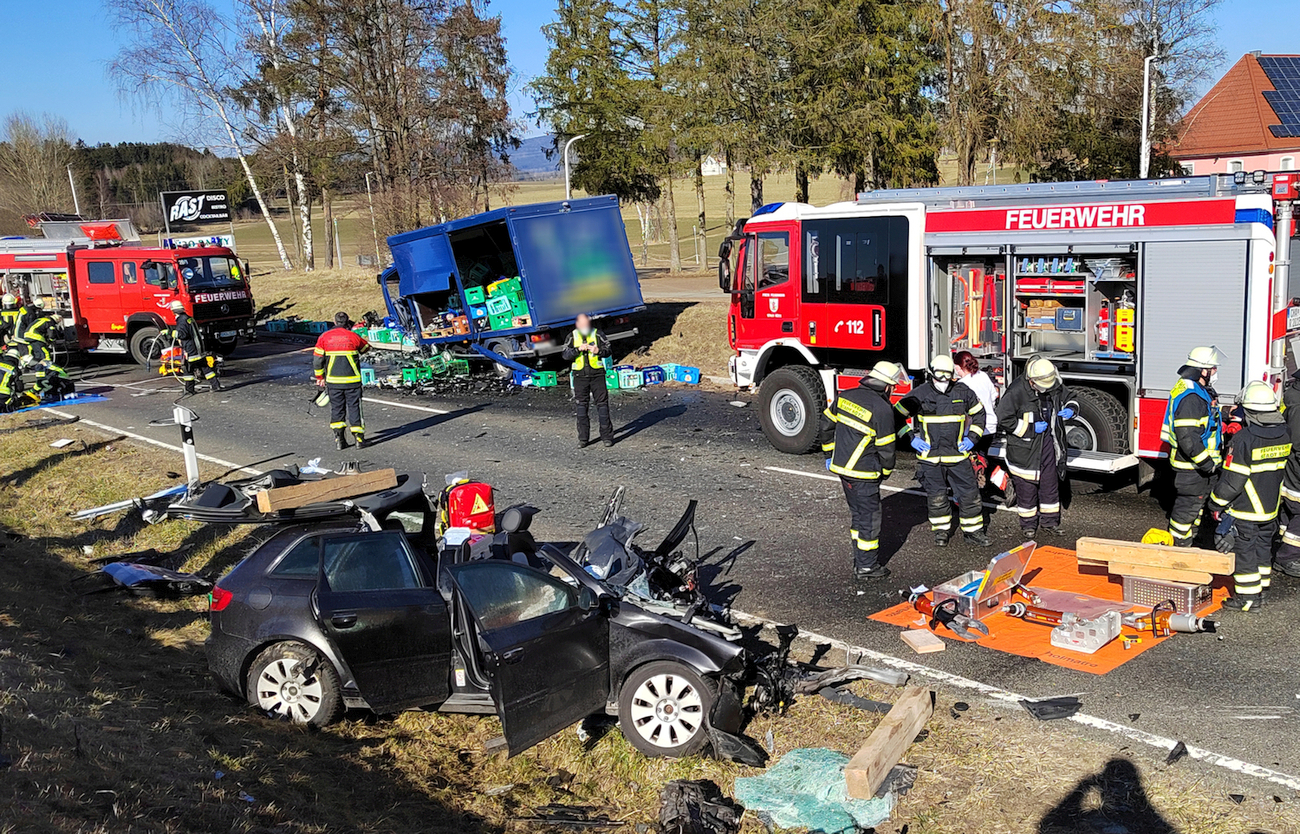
x,y
111,724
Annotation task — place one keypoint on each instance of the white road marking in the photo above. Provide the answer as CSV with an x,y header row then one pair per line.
x,y
911,667
149,440
885,487
405,405
998,694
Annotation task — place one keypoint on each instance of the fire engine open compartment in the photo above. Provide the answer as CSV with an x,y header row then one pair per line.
x,y
1075,306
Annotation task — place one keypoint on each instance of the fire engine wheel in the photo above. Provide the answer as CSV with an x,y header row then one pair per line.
x,y
791,400
145,348
1101,425
224,348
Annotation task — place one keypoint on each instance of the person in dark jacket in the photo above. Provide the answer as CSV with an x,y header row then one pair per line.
x,y
37,329
336,362
586,348
1287,559
1250,490
1193,428
197,363
9,315
859,430
947,422
1032,415
11,381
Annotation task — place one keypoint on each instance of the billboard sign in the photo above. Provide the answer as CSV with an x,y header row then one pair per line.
x,y
195,207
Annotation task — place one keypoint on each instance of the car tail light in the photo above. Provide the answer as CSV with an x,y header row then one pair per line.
x,y
540,337
219,598
622,320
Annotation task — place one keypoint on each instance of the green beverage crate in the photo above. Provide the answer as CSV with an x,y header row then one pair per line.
x,y
501,322
437,363
410,376
512,287
475,295
518,305
545,379
611,378
458,367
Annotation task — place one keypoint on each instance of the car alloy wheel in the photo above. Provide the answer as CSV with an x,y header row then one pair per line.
x,y
664,707
289,680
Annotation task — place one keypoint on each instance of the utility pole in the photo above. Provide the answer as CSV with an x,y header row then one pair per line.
x,y
568,192
76,203
1144,165
374,229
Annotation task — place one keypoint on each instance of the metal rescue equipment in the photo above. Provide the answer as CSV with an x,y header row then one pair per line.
x,y
1112,281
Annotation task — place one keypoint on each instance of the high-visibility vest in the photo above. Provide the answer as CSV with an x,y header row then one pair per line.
x,y
579,341
1210,427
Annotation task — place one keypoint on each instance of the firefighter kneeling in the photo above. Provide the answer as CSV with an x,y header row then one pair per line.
x,y
859,428
52,383
11,381
1250,490
947,422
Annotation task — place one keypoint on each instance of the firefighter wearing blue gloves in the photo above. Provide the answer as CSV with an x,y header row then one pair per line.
x,y
1032,415
947,422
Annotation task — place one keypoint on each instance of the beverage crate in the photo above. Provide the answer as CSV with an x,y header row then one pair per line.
x,y
475,295
478,311
436,363
546,379
523,379
508,286
458,367
502,322
367,375
630,378
518,305
318,327
521,321
410,376
277,325
687,374
653,375
611,379
498,305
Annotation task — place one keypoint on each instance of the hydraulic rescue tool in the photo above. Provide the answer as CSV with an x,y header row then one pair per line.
x,y
946,614
1163,620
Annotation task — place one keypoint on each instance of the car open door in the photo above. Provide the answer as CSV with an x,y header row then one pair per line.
x,y
390,625
545,644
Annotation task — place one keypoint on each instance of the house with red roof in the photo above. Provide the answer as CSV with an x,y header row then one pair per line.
x,y
1249,121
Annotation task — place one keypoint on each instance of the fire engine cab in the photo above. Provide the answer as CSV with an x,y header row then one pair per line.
x,y
1113,281
115,294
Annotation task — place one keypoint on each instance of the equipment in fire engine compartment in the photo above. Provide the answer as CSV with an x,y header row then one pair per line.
x,y
1076,306
976,305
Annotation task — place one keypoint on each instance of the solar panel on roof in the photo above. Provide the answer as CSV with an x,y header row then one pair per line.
x,y
1284,73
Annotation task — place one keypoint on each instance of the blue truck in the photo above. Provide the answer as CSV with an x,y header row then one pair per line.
x,y
513,280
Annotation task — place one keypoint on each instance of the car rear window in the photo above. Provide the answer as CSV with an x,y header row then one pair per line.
x,y
302,560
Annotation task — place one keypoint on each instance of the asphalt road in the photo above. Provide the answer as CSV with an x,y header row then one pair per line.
x,y
676,444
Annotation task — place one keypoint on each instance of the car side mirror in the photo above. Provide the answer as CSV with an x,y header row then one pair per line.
x,y
724,266
588,600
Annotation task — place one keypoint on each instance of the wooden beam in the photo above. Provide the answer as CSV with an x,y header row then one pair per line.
x,y
1119,568
1156,555
866,771
329,489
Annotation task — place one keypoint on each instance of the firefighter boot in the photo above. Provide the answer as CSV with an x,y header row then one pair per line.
x,y
1245,602
941,537
340,439
978,538
189,387
215,382
361,440
876,571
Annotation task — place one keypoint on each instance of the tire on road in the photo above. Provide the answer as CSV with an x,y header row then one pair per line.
x,y
790,403
663,709
225,347
291,680
143,346
1101,424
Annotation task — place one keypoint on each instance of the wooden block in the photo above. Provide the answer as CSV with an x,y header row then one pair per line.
x,y
922,641
329,489
866,771
1156,555
1194,577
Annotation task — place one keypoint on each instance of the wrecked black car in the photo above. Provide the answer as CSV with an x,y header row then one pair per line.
x,y
382,613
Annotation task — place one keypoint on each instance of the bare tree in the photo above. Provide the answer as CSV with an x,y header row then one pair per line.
x,y
35,152
178,52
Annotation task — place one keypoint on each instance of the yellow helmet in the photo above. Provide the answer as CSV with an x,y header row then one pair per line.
x,y
943,365
1203,357
1042,373
1258,396
10,301
889,373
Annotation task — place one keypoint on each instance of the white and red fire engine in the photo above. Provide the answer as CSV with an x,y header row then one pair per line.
x,y
1113,281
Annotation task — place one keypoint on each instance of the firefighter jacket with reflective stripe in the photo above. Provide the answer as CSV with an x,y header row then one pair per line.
x,y
1193,427
9,324
337,357
859,432
1291,411
10,377
186,333
40,330
943,419
1250,485
1022,406
587,363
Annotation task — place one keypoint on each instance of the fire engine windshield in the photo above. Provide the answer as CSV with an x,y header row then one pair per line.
x,y
210,273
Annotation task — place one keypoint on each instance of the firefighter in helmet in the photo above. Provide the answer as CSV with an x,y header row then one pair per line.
x,y
38,327
1193,428
336,363
11,381
52,382
1249,489
1032,415
858,432
197,362
9,313
1288,555
947,422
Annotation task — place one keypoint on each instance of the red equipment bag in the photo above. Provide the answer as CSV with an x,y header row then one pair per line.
x,y
470,505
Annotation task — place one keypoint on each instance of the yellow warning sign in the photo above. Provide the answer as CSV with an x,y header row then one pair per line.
x,y
480,506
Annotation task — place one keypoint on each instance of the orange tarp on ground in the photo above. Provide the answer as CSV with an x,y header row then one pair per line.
x,y
1055,568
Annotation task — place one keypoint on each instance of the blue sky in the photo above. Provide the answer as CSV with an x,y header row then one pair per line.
x,y
55,62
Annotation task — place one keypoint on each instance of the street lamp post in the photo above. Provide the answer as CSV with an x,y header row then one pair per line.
x,y
568,192
374,229
1144,165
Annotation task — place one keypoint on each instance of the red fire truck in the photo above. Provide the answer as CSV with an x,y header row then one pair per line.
x,y
1113,281
115,294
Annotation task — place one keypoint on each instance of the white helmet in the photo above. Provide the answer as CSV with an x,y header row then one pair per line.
x,y
888,373
1203,357
10,301
178,306
1042,373
943,365
1258,396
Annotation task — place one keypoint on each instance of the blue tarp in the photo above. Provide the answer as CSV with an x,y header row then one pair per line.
x,y
806,789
